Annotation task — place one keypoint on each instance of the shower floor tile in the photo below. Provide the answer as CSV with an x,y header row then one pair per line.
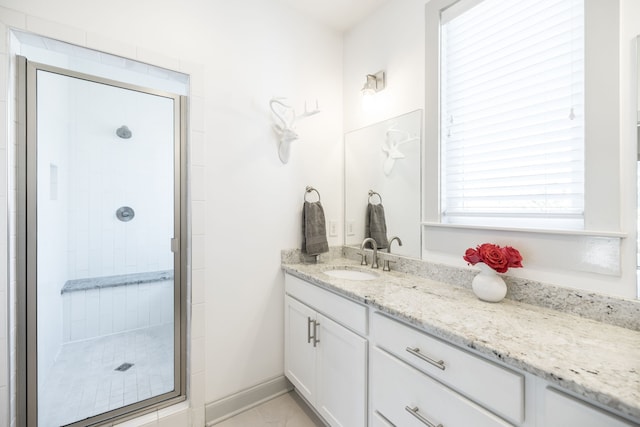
x,y
83,381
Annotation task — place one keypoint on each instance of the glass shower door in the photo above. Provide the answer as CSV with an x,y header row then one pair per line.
x,y
102,262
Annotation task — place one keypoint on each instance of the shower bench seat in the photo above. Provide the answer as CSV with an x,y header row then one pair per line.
x,y
100,306
118,280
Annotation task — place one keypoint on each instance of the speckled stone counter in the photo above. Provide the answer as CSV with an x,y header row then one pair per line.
x,y
596,360
114,281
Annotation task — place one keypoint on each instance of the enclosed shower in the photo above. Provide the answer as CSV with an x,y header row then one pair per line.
x,y
103,222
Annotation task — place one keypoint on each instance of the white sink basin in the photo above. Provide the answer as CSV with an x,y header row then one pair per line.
x,y
349,274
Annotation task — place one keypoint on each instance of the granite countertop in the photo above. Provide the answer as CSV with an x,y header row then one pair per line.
x,y
596,360
100,282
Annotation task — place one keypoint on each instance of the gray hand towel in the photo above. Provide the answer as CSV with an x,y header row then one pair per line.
x,y
375,225
314,232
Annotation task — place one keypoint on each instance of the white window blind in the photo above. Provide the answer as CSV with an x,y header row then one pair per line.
x,y
512,114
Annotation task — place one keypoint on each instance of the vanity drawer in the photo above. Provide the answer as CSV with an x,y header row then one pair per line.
x,y
409,398
348,313
495,387
562,410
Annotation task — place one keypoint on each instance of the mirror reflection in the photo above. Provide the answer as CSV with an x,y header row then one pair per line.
x,y
382,174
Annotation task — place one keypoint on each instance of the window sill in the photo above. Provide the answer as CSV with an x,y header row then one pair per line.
x,y
590,233
585,251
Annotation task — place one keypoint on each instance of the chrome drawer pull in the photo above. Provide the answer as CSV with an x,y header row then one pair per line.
x,y
416,352
313,337
414,411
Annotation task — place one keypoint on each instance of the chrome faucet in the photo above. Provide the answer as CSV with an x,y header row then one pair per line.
x,y
374,261
385,266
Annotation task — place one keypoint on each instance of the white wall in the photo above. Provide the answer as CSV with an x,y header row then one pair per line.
x,y
391,39
254,202
246,204
397,32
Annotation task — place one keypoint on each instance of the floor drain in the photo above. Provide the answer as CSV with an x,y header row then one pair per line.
x,y
124,367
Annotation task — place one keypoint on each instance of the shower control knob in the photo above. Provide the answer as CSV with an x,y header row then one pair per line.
x,y
124,132
125,214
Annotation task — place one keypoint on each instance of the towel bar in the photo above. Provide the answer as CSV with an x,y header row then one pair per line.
x,y
308,190
373,193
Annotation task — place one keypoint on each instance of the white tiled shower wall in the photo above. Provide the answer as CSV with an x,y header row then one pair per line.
x,y
191,413
106,172
97,312
96,172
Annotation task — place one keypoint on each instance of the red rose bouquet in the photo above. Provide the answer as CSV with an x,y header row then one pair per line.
x,y
496,257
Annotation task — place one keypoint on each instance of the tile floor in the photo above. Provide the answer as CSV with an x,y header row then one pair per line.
x,y
287,410
83,381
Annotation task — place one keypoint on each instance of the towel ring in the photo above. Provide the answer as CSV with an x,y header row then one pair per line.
x,y
373,193
308,190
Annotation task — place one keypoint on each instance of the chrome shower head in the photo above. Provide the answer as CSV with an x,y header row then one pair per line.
x,y
124,132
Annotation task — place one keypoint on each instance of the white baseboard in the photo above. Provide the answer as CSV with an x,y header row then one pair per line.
x,y
220,410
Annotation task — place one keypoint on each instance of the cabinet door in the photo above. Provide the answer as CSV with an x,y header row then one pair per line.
x,y
562,410
299,353
341,368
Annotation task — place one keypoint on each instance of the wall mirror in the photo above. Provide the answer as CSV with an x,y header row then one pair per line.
x,y
385,158
638,164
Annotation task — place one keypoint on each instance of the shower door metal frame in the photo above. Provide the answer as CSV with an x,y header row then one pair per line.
x,y
26,250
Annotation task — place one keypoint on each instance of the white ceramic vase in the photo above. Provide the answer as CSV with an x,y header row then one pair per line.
x,y
488,285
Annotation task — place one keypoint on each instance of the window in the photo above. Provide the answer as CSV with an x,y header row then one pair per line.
x,y
512,113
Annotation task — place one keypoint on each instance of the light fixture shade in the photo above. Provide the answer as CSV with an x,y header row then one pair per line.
x,y
374,83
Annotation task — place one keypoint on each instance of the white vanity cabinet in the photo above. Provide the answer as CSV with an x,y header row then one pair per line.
x,y
362,366
324,358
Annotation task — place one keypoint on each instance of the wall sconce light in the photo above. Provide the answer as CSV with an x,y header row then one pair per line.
x,y
375,83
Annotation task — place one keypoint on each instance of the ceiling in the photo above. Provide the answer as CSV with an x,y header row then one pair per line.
x,y
339,14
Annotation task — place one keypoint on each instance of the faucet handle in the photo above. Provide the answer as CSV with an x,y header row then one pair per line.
x,y
385,266
363,261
